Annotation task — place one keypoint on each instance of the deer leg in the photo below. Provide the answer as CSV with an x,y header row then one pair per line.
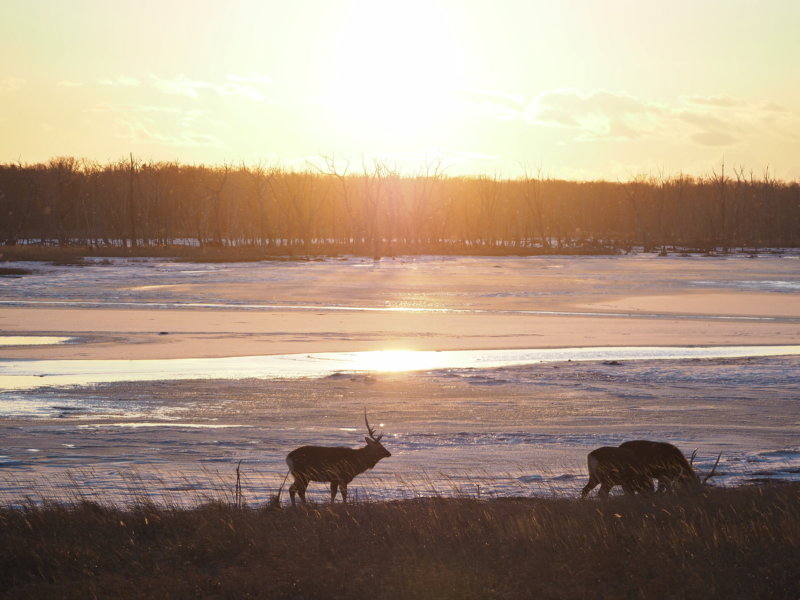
x,y
301,491
299,486
593,481
334,487
343,487
604,490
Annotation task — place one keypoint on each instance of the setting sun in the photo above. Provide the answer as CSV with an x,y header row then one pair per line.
x,y
396,71
581,90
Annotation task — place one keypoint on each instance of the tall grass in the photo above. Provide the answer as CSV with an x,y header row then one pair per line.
x,y
729,543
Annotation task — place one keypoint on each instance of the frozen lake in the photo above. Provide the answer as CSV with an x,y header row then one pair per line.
x,y
125,378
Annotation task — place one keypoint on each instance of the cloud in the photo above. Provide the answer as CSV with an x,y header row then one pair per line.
x,y
730,121
595,115
711,128
166,125
121,80
235,85
714,101
243,91
240,86
11,84
609,116
493,104
180,87
172,112
252,78
775,107
599,114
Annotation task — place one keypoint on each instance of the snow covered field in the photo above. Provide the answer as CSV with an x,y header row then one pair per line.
x,y
476,412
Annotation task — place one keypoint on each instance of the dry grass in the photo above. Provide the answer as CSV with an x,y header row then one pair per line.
x,y
731,543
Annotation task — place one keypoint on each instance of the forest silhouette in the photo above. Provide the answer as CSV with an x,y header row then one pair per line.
x,y
375,210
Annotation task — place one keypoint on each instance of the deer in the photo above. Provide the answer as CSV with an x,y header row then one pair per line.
x,y
335,464
633,465
666,464
613,465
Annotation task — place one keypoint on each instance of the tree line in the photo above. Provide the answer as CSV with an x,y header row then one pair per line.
x,y
373,209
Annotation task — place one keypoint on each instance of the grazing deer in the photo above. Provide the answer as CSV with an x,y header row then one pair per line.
x,y
665,463
335,464
635,464
612,465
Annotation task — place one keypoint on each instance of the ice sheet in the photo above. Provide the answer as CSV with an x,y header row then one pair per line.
x,y
482,423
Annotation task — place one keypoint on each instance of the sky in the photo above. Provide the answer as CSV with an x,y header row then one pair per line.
x,y
575,89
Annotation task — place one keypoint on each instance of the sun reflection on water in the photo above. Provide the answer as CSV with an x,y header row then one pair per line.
x,y
33,340
396,360
21,374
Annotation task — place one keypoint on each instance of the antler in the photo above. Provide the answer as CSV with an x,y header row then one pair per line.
x,y
371,430
691,460
711,474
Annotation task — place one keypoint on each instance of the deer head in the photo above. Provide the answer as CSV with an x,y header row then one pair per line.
x,y
373,441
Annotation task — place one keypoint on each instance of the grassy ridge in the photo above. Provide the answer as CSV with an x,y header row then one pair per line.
x,y
731,543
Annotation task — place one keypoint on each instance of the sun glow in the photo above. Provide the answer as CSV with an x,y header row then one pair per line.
x,y
396,73
396,360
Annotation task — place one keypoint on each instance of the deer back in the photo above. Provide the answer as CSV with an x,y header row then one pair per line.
x,y
334,463
663,461
615,465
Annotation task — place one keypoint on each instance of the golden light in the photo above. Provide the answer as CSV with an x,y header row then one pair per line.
x,y
397,68
396,360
